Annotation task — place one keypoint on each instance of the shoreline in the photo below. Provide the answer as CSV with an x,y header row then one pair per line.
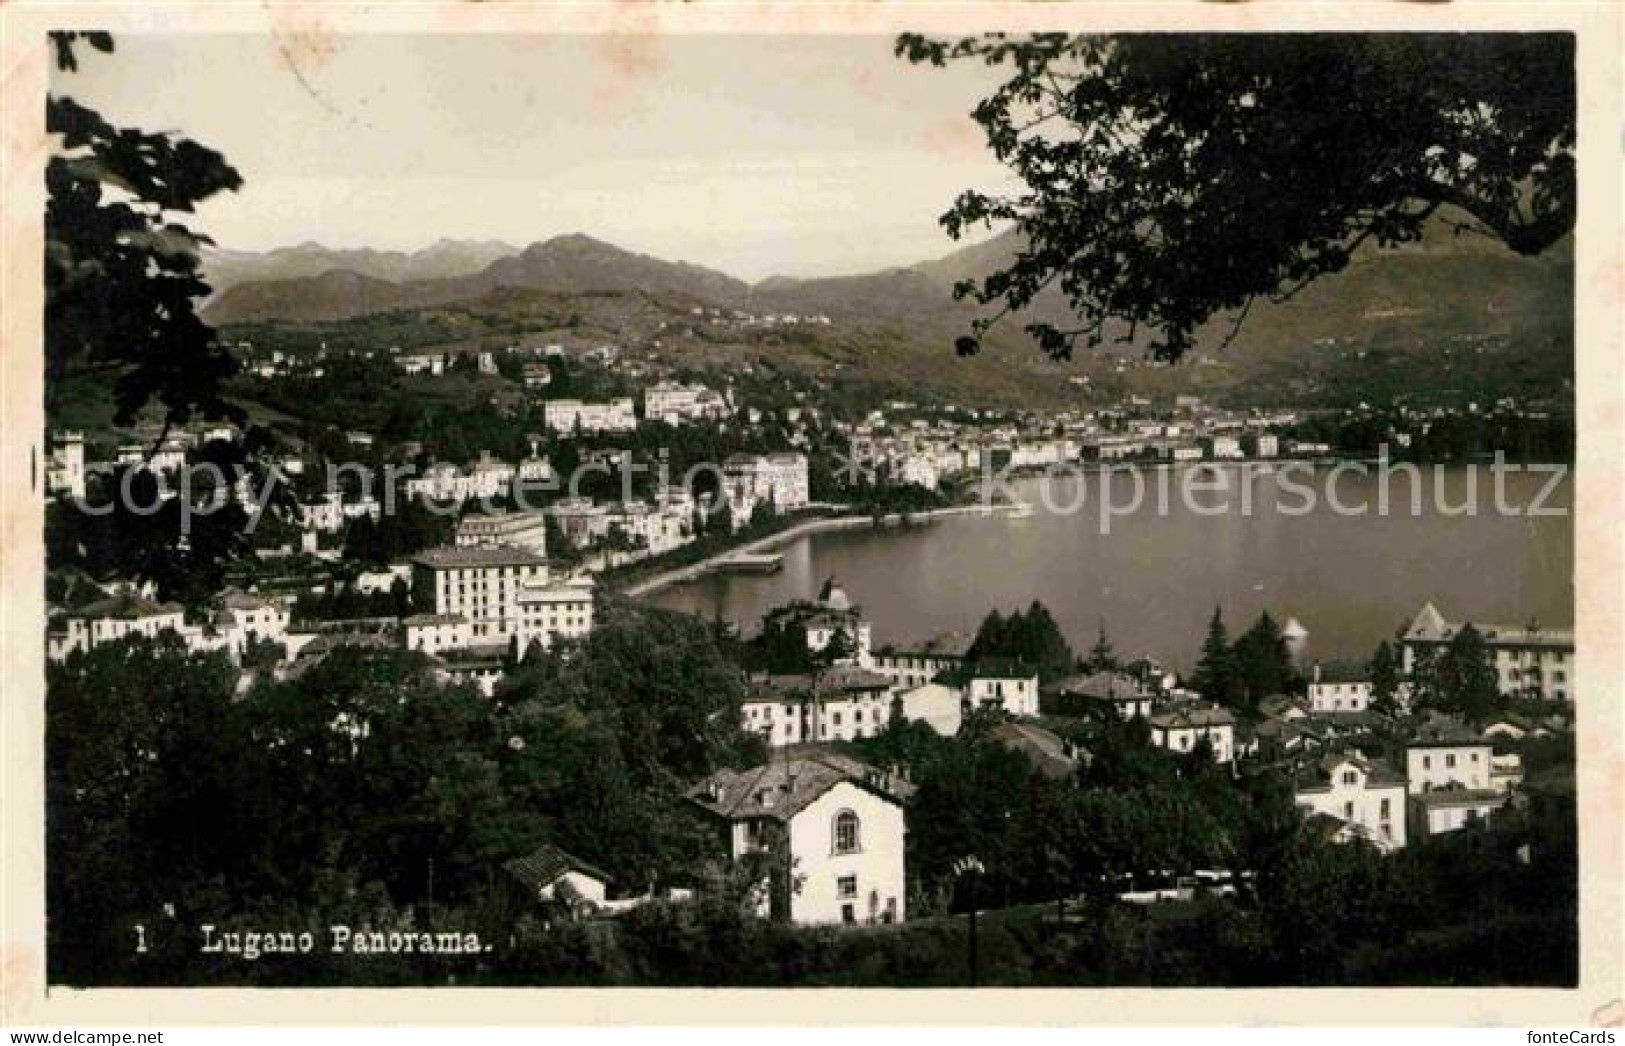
x,y
694,571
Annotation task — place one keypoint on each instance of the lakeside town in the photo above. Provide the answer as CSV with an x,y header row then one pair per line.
x,y
361,660
1424,742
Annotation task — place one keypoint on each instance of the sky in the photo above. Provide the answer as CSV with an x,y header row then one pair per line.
x,y
801,156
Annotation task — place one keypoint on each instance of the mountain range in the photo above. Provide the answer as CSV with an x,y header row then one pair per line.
x,y
1447,286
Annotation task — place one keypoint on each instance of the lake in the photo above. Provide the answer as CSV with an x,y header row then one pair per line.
x,y
1351,578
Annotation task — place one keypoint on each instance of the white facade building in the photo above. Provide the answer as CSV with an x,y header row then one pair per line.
x,y
1529,660
1445,754
251,618
1126,696
845,703
568,416
526,530
1339,697
111,619
839,826
504,594
1011,686
778,479
1181,730
65,473
1365,799
675,403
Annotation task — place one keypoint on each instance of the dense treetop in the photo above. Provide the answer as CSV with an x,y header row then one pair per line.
x,y
1167,179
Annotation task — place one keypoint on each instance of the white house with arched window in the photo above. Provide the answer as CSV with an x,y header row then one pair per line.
x,y
837,822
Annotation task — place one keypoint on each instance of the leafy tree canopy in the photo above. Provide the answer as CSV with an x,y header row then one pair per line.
x,y
1167,179
121,273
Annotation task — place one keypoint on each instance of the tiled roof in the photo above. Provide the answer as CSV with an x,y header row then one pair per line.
x,y
839,679
1430,626
986,668
1317,776
782,788
1442,731
1181,718
1277,705
433,619
237,600
1104,686
478,556
1047,751
947,645
547,865
126,606
1448,796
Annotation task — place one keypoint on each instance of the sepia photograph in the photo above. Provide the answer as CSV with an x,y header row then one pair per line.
x,y
993,508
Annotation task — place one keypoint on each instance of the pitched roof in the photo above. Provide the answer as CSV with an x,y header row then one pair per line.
x,y
963,673
1046,750
947,646
782,788
1317,776
235,599
836,680
126,606
1449,795
478,556
1182,718
547,865
1428,624
1104,686
1276,706
1441,731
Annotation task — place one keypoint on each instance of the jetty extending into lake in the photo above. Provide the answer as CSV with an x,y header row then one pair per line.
x,y
756,554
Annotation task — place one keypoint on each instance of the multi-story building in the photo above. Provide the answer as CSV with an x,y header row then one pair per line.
x,y
504,594
436,633
1362,798
580,520
1010,685
1530,660
568,416
1444,753
675,403
537,375
1262,444
916,666
252,618
919,469
1125,696
446,482
838,826
66,472
111,619
1328,695
821,620
1182,729
844,703
526,530
777,479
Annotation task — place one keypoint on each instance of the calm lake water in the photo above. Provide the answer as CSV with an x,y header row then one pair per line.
x,y
1156,576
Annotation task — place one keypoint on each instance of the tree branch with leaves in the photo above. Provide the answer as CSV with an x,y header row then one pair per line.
x,y
1169,179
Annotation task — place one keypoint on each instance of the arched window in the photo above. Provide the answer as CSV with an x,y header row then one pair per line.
x,y
846,832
